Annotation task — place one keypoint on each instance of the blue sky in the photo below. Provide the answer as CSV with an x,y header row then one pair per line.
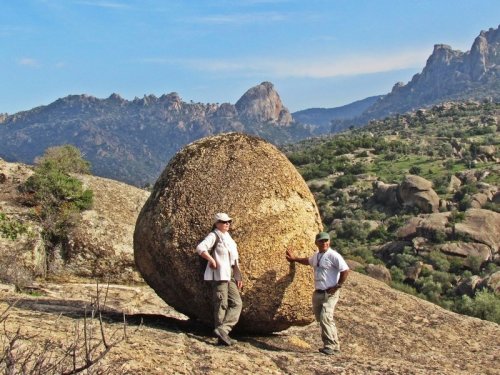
x,y
317,53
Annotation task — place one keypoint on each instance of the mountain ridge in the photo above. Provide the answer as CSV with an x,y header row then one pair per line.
x,y
132,141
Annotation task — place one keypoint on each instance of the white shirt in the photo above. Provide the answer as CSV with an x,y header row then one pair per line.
x,y
225,255
327,267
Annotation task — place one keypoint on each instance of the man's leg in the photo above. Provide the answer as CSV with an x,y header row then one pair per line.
x,y
328,328
323,308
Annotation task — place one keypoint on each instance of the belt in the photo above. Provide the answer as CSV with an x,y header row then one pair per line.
x,y
320,291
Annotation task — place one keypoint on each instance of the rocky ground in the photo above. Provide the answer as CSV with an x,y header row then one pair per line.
x,y
382,331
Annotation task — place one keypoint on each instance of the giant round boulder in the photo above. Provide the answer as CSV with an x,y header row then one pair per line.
x,y
272,209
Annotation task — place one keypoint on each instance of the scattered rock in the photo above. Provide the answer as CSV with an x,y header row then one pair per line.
x,y
466,249
415,191
481,226
492,282
454,184
379,272
386,194
413,272
468,286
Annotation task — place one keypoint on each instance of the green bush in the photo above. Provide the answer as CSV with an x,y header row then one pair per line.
x,y
344,181
485,305
397,274
438,260
68,159
474,263
405,288
10,228
416,170
353,230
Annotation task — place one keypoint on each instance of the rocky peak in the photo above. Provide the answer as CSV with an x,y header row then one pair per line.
x,y
484,54
116,99
262,103
448,75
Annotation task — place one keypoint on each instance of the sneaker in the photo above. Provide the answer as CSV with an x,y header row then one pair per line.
x,y
223,336
328,351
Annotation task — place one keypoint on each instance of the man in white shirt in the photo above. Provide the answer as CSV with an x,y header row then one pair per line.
x,y
330,273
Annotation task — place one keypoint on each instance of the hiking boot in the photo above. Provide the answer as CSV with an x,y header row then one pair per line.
x,y
223,336
328,351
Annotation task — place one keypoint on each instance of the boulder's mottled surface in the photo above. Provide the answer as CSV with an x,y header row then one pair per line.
x,y
272,209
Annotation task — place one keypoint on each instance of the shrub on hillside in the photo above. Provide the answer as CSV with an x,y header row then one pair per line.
x,y
57,198
344,181
11,228
484,305
68,159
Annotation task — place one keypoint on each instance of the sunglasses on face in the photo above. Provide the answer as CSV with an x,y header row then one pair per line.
x,y
224,222
323,241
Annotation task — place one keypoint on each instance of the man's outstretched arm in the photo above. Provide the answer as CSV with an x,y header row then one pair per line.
x,y
290,256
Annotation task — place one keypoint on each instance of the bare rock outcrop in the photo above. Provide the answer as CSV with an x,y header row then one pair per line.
x,y
272,209
416,191
480,226
466,249
413,191
491,282
379,272
102,244
23,257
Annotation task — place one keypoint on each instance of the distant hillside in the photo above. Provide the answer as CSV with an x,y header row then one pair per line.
x,y
414,200
322,117
132,141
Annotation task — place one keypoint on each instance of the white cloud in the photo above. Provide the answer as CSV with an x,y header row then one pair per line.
x,y
241,18
104,4
314,67
29,62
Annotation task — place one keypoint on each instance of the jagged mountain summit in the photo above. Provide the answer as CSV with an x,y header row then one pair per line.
x,y
449,75
131,141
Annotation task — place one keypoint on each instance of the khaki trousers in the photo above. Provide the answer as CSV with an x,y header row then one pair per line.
x,y
226,303
324,308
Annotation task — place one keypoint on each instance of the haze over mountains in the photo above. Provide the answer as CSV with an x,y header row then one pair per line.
x,y
131,141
